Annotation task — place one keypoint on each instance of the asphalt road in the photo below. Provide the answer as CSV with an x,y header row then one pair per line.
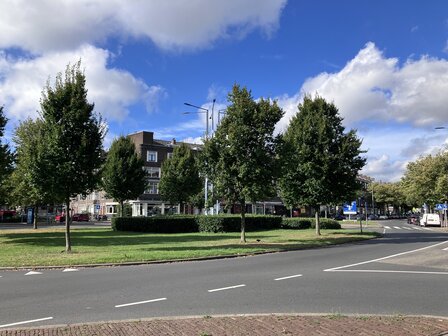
x,y
405,272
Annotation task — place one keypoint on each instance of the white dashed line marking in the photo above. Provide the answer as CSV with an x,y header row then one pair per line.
x,y
33,273
225,288
70,270
140,302
397,227
289,277
25,322
445,249
406,228
387,227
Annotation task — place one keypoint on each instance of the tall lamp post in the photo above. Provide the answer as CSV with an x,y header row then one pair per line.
x,y
206,111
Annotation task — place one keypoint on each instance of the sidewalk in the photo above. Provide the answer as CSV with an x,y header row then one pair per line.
x,y
252,325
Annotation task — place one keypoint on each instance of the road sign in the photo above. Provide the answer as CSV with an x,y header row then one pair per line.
x,y
97,206
441,206
350,209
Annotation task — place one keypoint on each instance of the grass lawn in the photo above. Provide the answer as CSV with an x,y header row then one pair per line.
x,y
44,247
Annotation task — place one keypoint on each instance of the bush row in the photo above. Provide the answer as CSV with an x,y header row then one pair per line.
x,y
221,223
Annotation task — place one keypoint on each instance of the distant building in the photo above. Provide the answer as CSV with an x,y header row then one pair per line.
x,y
153,152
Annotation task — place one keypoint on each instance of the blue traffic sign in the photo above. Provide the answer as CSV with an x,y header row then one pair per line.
x,y
350,209
441,206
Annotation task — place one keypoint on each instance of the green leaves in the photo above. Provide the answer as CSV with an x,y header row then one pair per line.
x,y
320,162
123,175
180,181
6,160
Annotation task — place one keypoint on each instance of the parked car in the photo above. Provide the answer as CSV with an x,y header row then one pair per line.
x,y
339,217
372,217
413,219
59,218
430,219
384,217
80,218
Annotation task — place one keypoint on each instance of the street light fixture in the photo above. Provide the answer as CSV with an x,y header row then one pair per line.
x,y
206,111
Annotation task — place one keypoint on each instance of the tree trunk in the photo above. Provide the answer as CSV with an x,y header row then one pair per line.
x,y
243,222
35,218
68,243
317,221
122,208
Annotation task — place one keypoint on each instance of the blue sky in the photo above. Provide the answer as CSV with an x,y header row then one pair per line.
x,y
383,63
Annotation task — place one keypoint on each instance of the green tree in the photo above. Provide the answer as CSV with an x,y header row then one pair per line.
x,y
425,180
25,191
6,160
388,194
69,157
320,162
123,177
240,159
180,181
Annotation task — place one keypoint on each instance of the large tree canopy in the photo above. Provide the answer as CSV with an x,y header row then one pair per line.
x,y
425,180
123,175
240,159
25,191
69,156
180,181
320,162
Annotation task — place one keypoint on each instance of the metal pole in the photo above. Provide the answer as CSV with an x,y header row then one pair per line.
x,y
213,118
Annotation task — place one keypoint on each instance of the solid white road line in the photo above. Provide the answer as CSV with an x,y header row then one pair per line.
x,y
384,258
138,303
391,271
289,277
225,288
70,270
33,273
25,322
387,227
397,227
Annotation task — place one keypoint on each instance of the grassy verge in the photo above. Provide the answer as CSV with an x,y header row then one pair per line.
x,y
90,246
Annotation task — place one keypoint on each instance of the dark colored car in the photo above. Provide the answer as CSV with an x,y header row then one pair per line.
x,y
413,219
339,217
373,217
80,218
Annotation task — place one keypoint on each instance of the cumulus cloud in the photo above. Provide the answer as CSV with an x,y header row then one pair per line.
x,y
42,25
374,87
112,90
372,90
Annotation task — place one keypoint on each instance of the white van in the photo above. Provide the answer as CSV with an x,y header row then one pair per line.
x,y
430,219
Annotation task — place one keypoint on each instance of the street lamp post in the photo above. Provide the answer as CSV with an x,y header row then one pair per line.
x,y
206,111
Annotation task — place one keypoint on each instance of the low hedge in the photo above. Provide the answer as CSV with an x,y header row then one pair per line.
x,y
296,223
156,224
232,223
326,224
183,224
216,223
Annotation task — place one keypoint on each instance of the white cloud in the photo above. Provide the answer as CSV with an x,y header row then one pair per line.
x,y
42,25
112,90
373,89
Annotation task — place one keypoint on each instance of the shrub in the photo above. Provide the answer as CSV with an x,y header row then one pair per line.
x,y
296,223
156,224
327,224
232,223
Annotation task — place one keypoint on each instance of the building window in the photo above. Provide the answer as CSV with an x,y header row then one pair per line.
x,y
153,172
169,155
151,156
111,209
152,187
